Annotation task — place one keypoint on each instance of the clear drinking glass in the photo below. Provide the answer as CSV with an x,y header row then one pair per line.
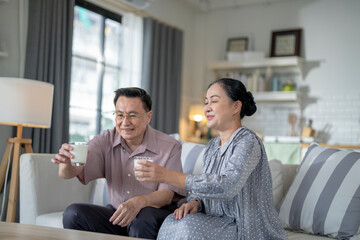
x,y
80,151
136,164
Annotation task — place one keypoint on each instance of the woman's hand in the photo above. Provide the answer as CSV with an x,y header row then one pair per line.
x,y
150,172
187,208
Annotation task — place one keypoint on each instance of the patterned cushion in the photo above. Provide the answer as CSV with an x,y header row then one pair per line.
x,y
324,197
192,157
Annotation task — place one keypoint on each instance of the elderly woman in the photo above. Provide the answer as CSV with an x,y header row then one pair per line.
x,y
232,197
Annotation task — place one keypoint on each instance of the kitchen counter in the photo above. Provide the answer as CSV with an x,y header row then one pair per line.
x,y
292,149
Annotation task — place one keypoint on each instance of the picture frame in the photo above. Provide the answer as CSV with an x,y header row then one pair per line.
x,y
239,44
286,43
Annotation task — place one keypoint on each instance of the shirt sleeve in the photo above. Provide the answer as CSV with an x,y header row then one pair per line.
x,y
225,186
174,163
95,162
192,197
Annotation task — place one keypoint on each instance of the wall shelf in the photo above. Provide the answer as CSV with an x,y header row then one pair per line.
x,y
276,96
294,64
260,63
280,65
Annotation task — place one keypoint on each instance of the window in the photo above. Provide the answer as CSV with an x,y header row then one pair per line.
x,y
96,70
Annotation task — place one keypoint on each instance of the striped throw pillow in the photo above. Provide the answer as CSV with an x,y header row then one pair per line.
x,y
191,157
324,197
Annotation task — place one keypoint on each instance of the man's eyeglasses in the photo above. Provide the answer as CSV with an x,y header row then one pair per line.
x,y
130,117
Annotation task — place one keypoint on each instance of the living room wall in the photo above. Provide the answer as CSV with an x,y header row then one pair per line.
x,y
329,46
330,43
331,37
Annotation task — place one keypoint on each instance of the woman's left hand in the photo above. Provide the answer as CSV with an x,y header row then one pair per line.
x,y
150,172
187,208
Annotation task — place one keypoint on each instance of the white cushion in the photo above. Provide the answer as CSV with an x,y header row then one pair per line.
x,y
324,198
99,193
276,168
50,220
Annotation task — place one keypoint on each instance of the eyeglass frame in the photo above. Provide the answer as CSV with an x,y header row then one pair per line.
x,y
130,117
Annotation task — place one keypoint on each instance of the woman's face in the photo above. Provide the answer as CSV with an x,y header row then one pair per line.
x,y
219,109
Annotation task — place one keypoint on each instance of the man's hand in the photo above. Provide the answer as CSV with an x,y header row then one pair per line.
x,y
187,208
64,155
66,170
127,211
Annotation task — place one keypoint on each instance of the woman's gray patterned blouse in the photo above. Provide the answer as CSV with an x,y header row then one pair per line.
x,y
235,190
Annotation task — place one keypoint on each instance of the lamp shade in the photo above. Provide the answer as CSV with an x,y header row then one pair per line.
x,y
25,102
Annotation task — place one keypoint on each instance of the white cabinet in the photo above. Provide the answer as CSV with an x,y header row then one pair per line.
x,y
283,67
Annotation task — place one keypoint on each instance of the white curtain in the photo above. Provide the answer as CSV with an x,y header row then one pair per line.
x,y
132,38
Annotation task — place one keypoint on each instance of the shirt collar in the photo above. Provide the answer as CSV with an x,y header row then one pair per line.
x,y
149,142
225,146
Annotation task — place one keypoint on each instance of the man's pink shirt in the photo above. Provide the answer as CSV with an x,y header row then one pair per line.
x,y
109,157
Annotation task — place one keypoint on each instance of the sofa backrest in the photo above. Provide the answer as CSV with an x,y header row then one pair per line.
x,y
191,159
282,176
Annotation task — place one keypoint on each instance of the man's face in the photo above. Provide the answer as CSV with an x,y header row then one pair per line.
x,y
131,119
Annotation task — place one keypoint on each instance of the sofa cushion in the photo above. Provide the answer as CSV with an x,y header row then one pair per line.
x,y
324,197
50,220
192,157
276,168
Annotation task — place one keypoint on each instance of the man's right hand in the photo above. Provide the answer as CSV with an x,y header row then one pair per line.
x,y
63,158
64,155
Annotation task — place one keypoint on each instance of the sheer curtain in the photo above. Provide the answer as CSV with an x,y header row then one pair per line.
x,y
132,26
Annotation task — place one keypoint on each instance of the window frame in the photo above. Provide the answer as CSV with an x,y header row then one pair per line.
x,y
100,61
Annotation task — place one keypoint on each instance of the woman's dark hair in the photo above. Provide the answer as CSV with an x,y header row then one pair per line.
x,y
236,90
134,92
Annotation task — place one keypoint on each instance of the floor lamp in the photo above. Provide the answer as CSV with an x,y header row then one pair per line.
x,y
23,103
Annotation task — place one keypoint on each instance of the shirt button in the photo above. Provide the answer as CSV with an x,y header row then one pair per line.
x,y
128,192
129,175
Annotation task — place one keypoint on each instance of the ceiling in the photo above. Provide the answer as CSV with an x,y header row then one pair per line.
x,y
210,5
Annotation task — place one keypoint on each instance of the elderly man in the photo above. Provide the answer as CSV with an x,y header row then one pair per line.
x,y
137,209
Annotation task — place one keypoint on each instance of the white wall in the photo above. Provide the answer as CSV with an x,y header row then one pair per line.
x,y
331,40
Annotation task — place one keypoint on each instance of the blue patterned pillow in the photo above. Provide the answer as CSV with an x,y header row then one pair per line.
x,y
324,197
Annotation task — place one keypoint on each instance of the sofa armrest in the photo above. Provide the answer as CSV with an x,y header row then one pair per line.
x,y
41,189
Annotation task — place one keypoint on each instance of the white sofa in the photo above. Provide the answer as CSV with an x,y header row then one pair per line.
x,y
44,196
